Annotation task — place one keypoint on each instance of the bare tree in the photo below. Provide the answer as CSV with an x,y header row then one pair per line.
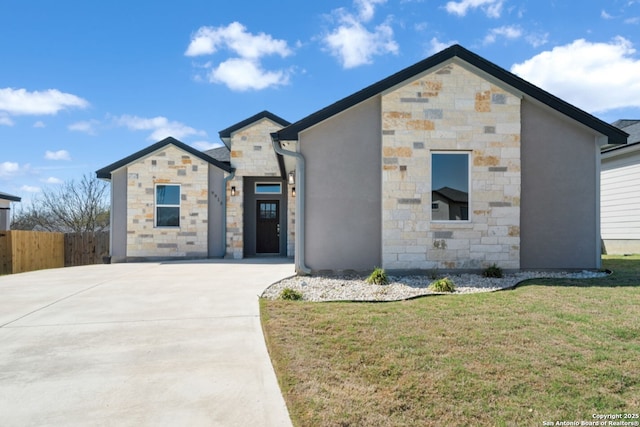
x,y
72,207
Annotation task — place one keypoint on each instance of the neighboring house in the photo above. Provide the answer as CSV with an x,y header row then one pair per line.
x,y
5,210
620,193
359,183
449,204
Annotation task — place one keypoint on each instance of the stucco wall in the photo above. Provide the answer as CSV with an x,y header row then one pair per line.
x,y
450,110
342,195
560,180
169,165
118,215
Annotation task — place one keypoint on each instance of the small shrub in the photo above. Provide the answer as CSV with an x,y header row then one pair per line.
x,y
290,294
378,277
493,271
442,285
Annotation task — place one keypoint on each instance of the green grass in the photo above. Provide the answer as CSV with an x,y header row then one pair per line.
x,y
547,350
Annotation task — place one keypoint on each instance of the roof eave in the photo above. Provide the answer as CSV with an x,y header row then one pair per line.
x,y
105,173
613,134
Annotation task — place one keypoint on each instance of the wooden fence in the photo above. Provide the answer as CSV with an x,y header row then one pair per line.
x,y
85,248
22,251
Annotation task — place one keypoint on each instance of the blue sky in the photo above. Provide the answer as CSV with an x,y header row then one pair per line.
x,y
84,83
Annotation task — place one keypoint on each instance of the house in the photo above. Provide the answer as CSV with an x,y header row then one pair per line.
x,y
5,210
362,182
620,193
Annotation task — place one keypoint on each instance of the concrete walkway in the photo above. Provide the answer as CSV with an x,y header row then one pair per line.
x,y
153,344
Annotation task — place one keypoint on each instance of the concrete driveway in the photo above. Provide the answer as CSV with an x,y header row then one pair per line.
x,y
147,344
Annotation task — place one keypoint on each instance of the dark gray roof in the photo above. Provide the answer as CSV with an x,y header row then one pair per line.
x,y
105,173
632,127
613,134
5,196
453,194
226,133
221,154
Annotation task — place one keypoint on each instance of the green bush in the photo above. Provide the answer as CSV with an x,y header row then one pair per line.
x,y
442,285
290,294
493,271
378,277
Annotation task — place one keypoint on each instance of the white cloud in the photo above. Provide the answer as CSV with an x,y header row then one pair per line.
x,y
243,71
208,40
160,127
242,74
634,20
5,120
510,32
48,102
605,15
366,8
8,169
30,189
436,45
593,76
53,180
205,145
537,39
88,127
39,124
352,43
491,8
57,155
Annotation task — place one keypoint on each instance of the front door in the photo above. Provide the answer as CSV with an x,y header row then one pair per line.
x,y
268,227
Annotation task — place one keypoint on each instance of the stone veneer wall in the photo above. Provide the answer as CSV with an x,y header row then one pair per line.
x,y
456,110
251,155
168,166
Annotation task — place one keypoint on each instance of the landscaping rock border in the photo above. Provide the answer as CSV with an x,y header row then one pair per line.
x,y
355,288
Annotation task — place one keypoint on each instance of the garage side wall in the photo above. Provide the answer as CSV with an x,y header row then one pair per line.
x,y
560,178
343,195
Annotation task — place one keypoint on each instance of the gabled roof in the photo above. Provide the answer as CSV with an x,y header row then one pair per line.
x,y
225,134
5,196
613,134
221,154
105,173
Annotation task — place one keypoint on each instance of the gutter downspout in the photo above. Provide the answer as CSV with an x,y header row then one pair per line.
x,y
300,265
224,209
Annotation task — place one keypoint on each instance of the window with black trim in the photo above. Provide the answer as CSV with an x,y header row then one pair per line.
x,y
168,205
450,186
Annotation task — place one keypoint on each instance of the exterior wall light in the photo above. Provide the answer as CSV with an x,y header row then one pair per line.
x,y
293,192
233,191
292,177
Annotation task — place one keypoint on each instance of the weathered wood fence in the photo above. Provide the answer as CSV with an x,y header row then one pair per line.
x,y
22,251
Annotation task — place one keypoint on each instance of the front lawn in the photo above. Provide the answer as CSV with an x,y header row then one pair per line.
x,y
549,350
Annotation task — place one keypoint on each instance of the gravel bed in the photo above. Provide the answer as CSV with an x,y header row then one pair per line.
x,y
355,288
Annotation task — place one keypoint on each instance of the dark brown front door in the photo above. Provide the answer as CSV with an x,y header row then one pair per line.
x,y
268,227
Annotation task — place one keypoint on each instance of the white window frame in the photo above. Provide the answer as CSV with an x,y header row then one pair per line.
x,y
279,184
469,154
157,205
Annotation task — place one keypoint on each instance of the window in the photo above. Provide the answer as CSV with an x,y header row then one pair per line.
x,y
450,186
268,188
167,206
